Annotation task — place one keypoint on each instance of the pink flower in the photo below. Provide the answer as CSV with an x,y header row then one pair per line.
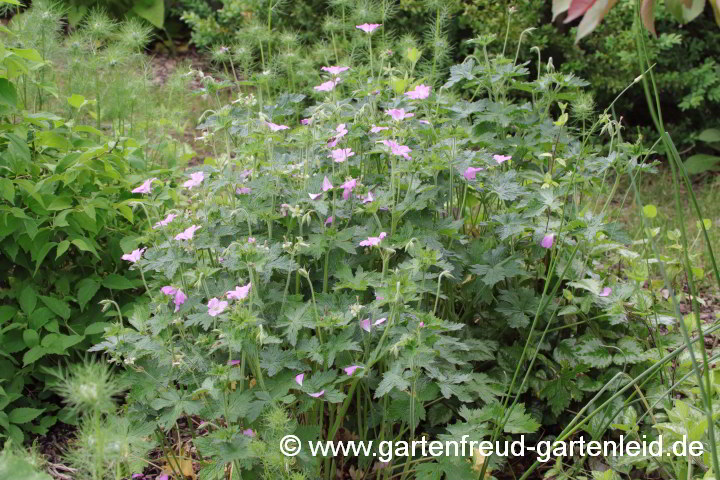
x,y
195,180
341,154
373,241
327,185
145,187
369,199
341,132
329,220
368,27
275,127
243,190
168,290
233,362
424,122
179,299
239,293
470,172
422,324
251,240
365,325
327,86
378,297
348,188
166,221
216,307
318,394
376,129
133,256
419,93
188,233
400,150
246,173
299,379
306,121
502,158
547,241
314,196
249,433
335,70
398,114
606,292
164,476
351,369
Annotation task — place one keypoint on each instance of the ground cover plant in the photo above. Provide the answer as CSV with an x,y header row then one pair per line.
x,y
390,253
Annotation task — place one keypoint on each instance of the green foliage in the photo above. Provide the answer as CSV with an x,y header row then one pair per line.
x,y
66,214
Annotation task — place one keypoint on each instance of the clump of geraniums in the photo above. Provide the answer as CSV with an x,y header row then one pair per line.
x,y
396,256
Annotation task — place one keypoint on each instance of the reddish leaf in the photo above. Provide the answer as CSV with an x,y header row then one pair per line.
x,y
648,15
578,8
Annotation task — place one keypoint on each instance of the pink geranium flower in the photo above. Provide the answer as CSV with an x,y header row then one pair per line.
x,y
243,190
341,154
326,185
373,241
168,290
547,241
249,433
299,379
376,129
306,121
348,188
133,256
275,127
329,220
341,131
606,292
166,221
400,150
188,233
471,172
367,325
419,93
239,293
398,114
318,394
351,369
195,180
368,27
179,299
314,196
335,70
145,187
327,86
251,240
216,307
424,122
502,158
369,199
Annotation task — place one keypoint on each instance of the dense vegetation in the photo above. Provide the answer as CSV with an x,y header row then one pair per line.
x,y
384,239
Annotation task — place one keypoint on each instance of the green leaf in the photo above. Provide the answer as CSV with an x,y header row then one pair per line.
x,y
650,211
8,94
59,307
6,313
117,282
34,354
76,101
7,189
710,135
394,378
86,290
701,163
27,300
24,414
31,338
152,11
62,248
84,245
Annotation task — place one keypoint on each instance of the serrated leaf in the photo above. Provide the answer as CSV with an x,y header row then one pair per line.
x,y
117,282
59,307
24,414
86,290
